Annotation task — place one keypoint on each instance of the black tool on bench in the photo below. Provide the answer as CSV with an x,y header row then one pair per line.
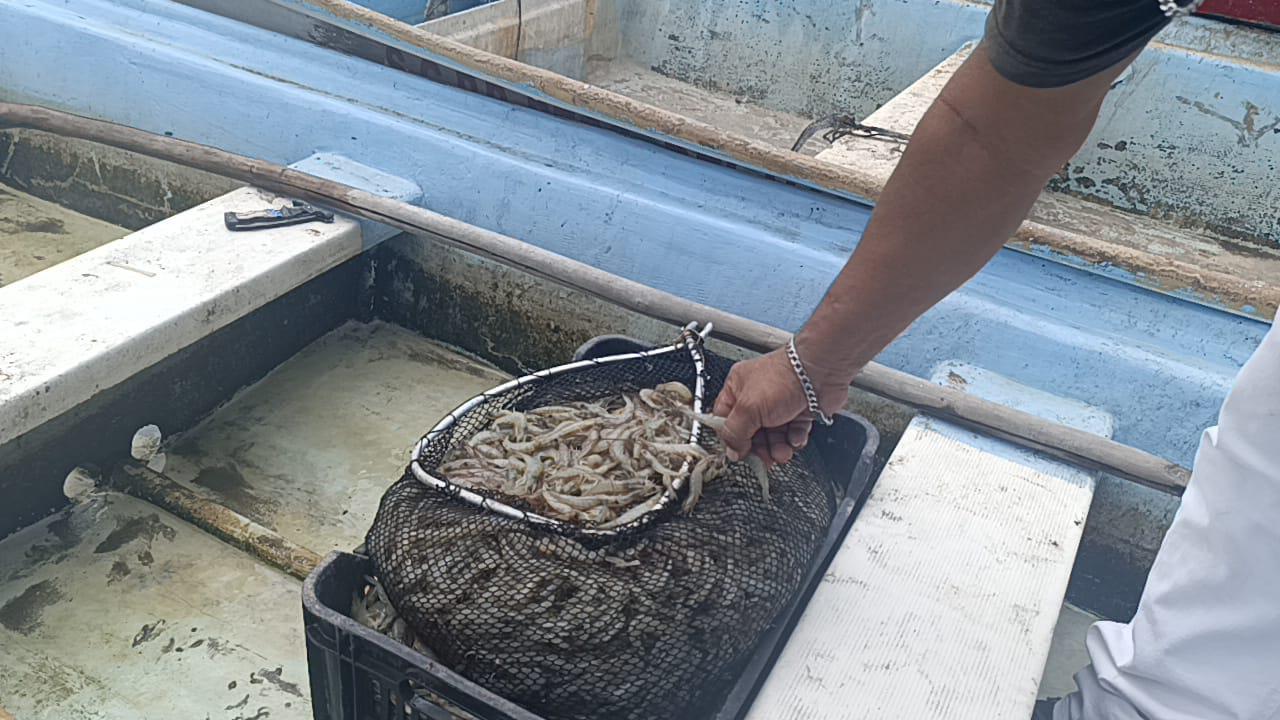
x,y
295,214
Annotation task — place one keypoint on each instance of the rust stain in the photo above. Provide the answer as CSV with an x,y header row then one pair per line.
x,y
1247,130
1161,274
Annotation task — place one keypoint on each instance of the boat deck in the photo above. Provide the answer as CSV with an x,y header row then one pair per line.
x,y
115,609
107,607
309,450
36,234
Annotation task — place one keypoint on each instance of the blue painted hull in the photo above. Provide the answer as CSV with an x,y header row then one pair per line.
x,y
735,240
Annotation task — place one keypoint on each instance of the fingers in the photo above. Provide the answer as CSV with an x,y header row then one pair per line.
x,y
764,411
780,449
798,432
760,447
741,419
740,428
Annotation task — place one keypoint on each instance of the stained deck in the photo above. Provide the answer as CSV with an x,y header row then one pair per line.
x,y
117,609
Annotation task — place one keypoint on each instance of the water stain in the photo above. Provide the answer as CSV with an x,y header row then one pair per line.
x,y
227,481
23,613
149,632
216,647
63,538
45,225
274,678
119,571
168,647
145,528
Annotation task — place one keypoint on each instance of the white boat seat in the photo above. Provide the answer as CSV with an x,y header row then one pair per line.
x,y
943,599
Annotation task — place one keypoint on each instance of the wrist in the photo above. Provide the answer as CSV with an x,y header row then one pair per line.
x,y
829,380
827,364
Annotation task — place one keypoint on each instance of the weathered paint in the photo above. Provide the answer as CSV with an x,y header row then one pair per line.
x,y
1159,365
810,57
1130,246
1196,119
1191,137
345,26
1189,259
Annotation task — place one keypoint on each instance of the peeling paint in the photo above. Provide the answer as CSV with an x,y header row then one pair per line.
x,y
1247,127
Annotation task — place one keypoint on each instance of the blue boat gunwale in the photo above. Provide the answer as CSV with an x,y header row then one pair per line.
x,y
355,29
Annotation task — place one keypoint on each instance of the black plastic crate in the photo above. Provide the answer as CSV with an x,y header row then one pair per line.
x,y
359,674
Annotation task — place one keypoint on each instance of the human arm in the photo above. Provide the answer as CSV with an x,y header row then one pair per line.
x,y
975,164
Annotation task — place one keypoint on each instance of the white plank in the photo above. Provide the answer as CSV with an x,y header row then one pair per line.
x,y
89,323
86,324
942,601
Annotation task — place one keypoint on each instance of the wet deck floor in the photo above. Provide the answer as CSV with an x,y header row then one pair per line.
x,y
116,610
309,450
35,234
119,610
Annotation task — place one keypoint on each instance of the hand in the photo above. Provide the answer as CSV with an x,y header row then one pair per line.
x,y
765,409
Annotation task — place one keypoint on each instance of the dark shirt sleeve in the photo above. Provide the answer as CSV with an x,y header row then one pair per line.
x,y
1051,43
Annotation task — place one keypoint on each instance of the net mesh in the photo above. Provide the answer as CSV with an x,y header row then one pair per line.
x,y
653,622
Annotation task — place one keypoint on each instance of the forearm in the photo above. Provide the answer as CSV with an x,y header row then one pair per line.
x,y
976,162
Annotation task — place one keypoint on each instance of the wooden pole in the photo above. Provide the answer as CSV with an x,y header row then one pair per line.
x,y
215,519
1060,441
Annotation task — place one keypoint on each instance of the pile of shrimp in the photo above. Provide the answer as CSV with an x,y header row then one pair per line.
x,y
601,463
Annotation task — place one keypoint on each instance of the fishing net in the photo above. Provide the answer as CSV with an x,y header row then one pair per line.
x,y
651,620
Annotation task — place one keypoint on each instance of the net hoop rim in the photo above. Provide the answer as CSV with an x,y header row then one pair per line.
x,y
691,340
